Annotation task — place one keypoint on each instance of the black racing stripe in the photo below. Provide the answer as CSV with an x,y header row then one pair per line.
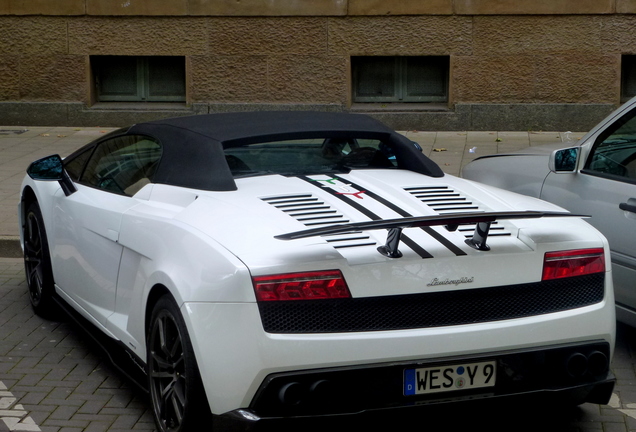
x,y
430,231
444,241
416,248
368,213
349,201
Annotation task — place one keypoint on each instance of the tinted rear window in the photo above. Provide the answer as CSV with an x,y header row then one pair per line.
x,y
309,156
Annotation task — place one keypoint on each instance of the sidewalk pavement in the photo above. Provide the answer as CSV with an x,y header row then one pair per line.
x,y
19,146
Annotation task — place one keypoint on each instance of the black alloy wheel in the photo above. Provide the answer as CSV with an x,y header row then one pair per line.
x,y
37,263
177,395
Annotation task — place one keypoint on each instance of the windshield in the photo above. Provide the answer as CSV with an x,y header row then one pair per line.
x,y
309,156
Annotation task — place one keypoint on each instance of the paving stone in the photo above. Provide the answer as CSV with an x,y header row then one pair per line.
x,y
64,412
66,423
92,407
624,373
30,380
615,427
39,413
126,421
32,397
97,426
119,401
607,411
95,417
88,388
144,426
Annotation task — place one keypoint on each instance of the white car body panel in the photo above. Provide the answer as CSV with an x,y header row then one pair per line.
x,y
86,255
261,354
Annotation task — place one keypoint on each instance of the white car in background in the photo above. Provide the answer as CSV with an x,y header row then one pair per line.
x,y
596,177
276,265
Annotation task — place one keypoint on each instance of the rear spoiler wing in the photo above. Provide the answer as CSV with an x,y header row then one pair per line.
x,y
450,221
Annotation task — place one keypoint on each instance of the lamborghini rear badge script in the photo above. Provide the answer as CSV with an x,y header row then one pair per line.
x,y
463,280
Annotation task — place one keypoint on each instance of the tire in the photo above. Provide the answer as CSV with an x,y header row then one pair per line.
x,y
176,392
37,263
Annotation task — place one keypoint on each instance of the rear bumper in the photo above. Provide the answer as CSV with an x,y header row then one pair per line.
x,y
237,360
568,374
600,392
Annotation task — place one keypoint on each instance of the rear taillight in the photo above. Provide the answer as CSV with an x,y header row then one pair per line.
x,y
316,285
570,263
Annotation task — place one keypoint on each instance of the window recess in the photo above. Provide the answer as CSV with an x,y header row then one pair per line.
x,y
136,78
400,79
628,77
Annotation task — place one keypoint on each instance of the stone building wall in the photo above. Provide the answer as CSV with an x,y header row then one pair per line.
x,y
545,64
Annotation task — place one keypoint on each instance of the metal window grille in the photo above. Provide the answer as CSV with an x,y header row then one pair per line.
x,y
130,79
400,79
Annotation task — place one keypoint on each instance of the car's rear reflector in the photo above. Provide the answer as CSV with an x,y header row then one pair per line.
x,y
326,284
573,263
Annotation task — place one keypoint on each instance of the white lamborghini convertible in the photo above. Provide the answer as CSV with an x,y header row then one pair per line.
x,y
246,267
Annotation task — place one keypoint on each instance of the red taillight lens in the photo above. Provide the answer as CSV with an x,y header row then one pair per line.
x,y
573,263
301,286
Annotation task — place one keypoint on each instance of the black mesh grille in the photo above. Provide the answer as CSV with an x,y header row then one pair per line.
x,y
453,307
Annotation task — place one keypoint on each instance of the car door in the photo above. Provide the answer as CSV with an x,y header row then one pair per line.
x,y
605,188
85,225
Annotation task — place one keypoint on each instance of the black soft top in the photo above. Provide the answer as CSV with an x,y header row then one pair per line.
x,y
193,146
250,127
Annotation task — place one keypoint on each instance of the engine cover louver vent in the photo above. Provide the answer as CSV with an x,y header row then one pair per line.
x,y
313,212
444,200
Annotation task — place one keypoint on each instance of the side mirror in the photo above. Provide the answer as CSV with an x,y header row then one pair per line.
x,y
51,168
564,160
48,168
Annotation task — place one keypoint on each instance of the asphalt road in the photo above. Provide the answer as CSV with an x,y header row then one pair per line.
x,y
53,378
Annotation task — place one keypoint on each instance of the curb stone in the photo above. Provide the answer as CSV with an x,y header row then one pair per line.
x,y
10,247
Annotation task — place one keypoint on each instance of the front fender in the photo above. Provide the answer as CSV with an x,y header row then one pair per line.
x,y
44,192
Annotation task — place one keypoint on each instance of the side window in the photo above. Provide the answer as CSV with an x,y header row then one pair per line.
x,y
122,165
75,166
615,150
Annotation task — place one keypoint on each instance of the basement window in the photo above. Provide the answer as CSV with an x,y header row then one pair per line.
x,y
628,77
400,79
139,79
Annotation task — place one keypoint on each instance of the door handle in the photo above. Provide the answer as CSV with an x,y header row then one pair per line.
x,y
627,207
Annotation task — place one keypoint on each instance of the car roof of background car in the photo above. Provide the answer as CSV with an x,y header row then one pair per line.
x,y
248,127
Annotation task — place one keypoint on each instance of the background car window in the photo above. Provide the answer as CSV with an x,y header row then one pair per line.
x,y
615,150
123,165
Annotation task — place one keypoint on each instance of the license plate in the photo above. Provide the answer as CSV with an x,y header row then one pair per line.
x,y
449,378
